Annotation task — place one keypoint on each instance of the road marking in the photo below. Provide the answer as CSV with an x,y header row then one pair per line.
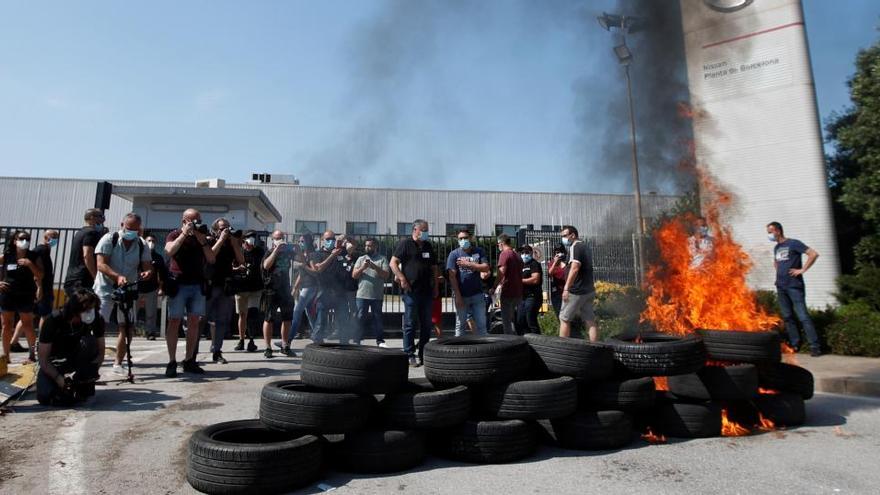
x,y
67,468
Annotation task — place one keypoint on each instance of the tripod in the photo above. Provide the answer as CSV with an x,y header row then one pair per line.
x,y
125,305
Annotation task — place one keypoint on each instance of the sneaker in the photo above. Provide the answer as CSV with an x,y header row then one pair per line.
x,y
815,353
190,366
251,347
239,346
218,358
279,344
412,362
287,351
383,345
16,347
268,353
299,336
118,369
171,369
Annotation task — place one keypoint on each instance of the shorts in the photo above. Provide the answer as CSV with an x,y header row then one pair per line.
x,y
279,305
246,300
578,305
189,300
107,306
20,303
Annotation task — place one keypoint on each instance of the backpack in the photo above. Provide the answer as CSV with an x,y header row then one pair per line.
x,y
144,286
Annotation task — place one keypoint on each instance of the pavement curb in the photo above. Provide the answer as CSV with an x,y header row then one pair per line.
x,y
848,385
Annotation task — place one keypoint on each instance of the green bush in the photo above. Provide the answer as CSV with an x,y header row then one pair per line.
x,y
863,286
617,310
855,331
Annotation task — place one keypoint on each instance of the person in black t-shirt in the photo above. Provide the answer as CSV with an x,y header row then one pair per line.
x,y
226,245
83,266
45,292
326,263
414,264
247,301
21,273
151,298
71,341
533,293
579,290
306,286
350,287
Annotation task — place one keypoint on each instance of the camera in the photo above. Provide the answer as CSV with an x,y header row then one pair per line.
x,y
126,294
235,233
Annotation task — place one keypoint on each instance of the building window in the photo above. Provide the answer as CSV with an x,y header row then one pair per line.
x,y
360,228
506,229
310,226
453,228
551,228
404,228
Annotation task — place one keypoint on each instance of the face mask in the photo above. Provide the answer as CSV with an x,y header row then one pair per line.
x,y
566,241
151,245
464,243
771,237
423,236
302,245
250,241
99,227
277,242
371,251
704,231
526,258
329,243
53,242
129,235
87,317
23,243
349,246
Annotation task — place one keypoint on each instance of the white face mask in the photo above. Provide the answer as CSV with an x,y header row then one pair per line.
x,y
23,243
277,242
87,317
250,241
151,244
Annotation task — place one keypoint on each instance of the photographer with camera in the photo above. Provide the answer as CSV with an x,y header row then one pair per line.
x,y
71,341
123,259
221,300
189,251
278,296
247,300
326,263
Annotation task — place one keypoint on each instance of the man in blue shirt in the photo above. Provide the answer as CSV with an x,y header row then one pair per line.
x,y
787,259
464,266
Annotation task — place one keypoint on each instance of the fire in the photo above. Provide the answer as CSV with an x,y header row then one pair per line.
x,y
731,428
651,437
767,391
712,295
661,384
765,424
789,355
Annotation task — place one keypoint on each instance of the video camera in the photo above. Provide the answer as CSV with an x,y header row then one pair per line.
x,y
126,294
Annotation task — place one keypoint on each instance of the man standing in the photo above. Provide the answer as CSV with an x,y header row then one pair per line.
x,y
533,293
247,302
370,271
122,259
509,282
226,247
83,267
151,298
414,264
700,244
790,269
579,290
350,289
464,265
45,291
279,296
327,264
189,251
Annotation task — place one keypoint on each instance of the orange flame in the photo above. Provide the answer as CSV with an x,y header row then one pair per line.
x,y
651,437
767,391
731,428
789,355
765,424
661,384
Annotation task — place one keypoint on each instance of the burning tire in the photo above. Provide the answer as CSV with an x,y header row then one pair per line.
x,y
420,405
531,399
736,382
354,368
786,378
380,451
585,361
637,393
476,360
785,409
486,442
688,420
658,354
291,405
590,430
742,347
247,457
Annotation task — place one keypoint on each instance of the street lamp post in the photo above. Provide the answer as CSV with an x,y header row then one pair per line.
x,y
626,25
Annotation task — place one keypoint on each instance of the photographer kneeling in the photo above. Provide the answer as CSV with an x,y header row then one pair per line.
x,y
122,259
71,341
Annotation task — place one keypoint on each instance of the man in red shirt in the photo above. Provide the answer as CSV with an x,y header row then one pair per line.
x,y
509,282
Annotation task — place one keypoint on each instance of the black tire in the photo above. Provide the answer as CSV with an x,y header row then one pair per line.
x,y
688,420
735,382
354,368
591,430
585,361
786,377
420,405
530,399
486,442
784,409
291,405
659,354
737,346
374,452
246,457
625,395
476,360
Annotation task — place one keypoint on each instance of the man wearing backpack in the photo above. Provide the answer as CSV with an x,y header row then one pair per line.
x,y
122,258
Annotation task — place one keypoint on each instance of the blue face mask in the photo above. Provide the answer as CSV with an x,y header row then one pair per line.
x,y
99,227
566,241
53,242
423,236
771,237
129,235
464,243
526,258
329,243
704,231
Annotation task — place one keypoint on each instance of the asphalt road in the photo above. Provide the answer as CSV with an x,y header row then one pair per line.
x,y
132,439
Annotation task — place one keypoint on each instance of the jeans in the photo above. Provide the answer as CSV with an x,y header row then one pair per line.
x,y
527,316
556,301
151,305
416,312
220,310
369,315
336,301
475,306
792,301
508,313
189,300
302,307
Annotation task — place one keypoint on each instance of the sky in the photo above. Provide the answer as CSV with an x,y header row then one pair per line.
x,y
456,94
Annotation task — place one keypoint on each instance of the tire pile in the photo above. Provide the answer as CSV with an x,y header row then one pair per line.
x,y
489,399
